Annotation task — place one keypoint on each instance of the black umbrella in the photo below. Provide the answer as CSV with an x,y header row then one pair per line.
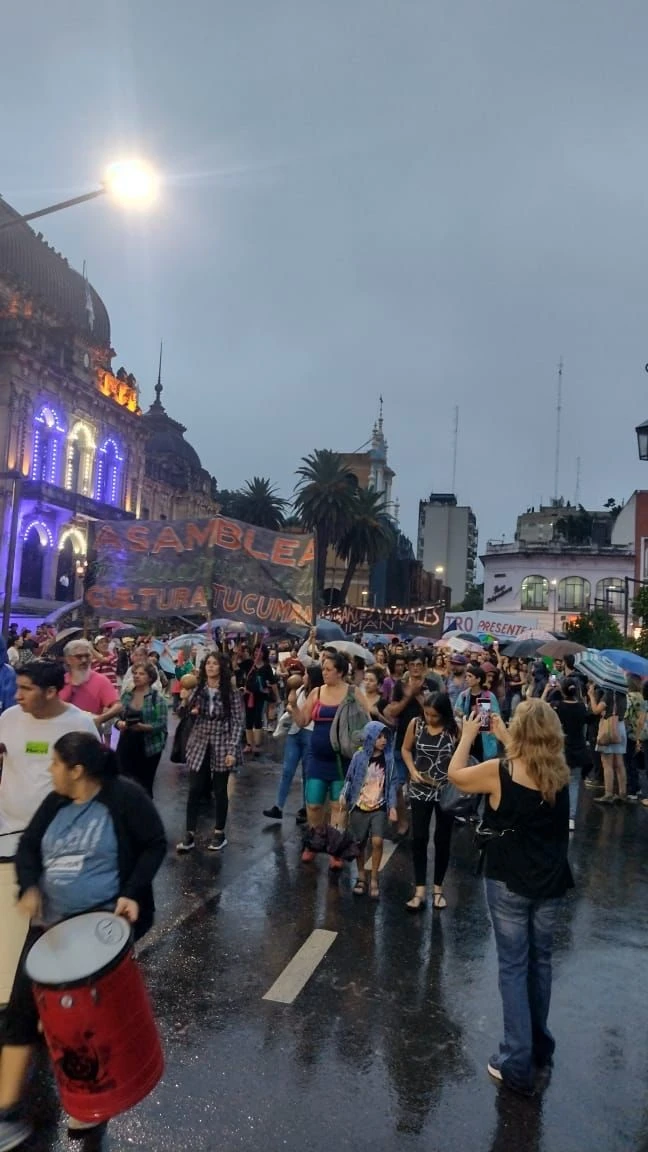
x,y
523,647
56,646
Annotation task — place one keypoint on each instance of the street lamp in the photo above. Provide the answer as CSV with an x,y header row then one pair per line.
x,y
439,570
133,183
642,440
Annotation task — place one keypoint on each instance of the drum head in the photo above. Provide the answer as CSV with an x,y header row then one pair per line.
x,y
78,949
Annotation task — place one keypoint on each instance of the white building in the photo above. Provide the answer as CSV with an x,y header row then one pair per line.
x,y
554,582
447,542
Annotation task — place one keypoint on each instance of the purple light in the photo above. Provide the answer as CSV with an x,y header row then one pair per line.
x,y
47,430
40,528
108,471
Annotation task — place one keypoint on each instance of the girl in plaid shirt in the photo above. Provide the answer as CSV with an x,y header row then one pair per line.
x,y
213,746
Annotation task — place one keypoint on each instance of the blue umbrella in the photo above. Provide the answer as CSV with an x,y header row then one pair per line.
x,y
327,630
629,661
601,671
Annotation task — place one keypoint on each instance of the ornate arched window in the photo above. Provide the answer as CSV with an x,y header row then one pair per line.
x,y
48,433
574,594
80,459
610,595
108,485
535,594
36,539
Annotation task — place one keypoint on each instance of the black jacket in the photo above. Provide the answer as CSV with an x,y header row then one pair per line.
x,y
141,843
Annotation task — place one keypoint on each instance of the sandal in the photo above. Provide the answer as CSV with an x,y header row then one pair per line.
x,y
360,887
439,900
416,904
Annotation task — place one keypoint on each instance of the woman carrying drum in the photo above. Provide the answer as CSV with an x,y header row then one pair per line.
x,y
96,842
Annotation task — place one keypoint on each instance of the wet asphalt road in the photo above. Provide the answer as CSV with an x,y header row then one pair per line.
x,y
386,1046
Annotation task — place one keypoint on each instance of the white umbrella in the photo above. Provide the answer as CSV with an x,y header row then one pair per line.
x,y
347,646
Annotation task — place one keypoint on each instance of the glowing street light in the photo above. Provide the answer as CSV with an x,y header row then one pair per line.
x,y
131,183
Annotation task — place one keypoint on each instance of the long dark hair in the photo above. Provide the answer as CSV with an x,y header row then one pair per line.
x,y
225,680
82,748
442,705
315,678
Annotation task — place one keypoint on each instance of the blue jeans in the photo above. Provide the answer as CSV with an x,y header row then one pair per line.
x,y
297,748
524,936
574,788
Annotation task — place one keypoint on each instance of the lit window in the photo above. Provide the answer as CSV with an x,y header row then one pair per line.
x,y
46,445
79,460
574,594
535,594
109,474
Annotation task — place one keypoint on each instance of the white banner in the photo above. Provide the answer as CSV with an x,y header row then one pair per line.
x,y
501,625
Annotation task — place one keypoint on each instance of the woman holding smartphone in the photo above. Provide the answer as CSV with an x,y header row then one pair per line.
x,y
477,700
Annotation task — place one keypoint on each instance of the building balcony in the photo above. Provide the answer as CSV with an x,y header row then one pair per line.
x,y
74,501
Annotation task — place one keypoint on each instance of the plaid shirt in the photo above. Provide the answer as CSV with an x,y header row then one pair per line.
x,y
154,712
214,732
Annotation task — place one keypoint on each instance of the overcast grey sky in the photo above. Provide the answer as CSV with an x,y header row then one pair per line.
x,y
432,199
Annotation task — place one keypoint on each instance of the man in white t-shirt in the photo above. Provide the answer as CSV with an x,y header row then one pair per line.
x,y
28,733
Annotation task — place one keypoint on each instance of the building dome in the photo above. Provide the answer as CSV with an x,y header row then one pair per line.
x,y
166,439
44,276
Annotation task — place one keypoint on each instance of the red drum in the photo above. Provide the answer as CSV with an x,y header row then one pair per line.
x,y
96,1015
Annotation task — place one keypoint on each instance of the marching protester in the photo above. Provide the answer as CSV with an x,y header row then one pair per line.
x,y
260,690
611,740
527,873
369,794
7,679
326,767
427,750
142,728
213,746
476,697
85,688
405,705
572,713
110,831
298,742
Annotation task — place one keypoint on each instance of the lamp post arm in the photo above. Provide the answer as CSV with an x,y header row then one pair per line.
x,y
53,208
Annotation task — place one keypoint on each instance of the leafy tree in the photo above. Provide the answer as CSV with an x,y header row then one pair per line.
x,y
324,502
473,601
258,503
369,538
595,629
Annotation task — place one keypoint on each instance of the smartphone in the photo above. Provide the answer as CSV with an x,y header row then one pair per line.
x,y
553,679
484,708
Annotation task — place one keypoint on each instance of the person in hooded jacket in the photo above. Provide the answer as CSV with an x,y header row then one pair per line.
x,y
370,792
7,679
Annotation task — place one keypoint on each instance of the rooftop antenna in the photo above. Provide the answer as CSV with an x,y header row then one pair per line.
x,y
454,453
578,482
558,420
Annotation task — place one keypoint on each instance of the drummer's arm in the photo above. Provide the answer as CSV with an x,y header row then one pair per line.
x,y
144,825
29,860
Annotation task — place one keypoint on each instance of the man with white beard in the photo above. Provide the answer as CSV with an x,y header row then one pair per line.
x,y
88,690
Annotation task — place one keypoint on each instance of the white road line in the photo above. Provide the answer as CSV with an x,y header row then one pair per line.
x,y
389,847
298,972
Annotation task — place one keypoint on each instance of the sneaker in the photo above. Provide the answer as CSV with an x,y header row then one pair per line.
x,y
632,797
217,843
593,784
301,816
13,1132
572,825
187,844
91,1134
273,813
606,798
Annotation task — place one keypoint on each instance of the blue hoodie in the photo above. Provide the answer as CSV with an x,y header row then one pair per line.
x,y
7,680
357,770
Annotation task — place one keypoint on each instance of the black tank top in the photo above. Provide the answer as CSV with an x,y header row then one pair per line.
x,y
530,856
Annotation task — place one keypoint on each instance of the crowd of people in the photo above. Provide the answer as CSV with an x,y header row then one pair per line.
x,y
388,743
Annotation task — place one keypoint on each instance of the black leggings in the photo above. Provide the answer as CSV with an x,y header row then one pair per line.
x,y
199,783
421,816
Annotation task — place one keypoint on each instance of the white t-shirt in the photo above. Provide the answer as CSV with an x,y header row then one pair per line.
x,y
26,779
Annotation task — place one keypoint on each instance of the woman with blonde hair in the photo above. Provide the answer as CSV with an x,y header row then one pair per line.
x,y
526,833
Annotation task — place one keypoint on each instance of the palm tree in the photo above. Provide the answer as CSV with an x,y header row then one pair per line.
x,y
324,502
258,503
369,538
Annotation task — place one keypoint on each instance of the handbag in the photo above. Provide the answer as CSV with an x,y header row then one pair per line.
x,y
181,739
608,729
461,805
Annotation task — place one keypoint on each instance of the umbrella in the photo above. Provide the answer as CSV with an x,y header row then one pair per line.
x,y
556,649
347,646
126,630
629,661
601,671
457,645
112,624
189,640
55,648
524,648
231,627
471,637
326,630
